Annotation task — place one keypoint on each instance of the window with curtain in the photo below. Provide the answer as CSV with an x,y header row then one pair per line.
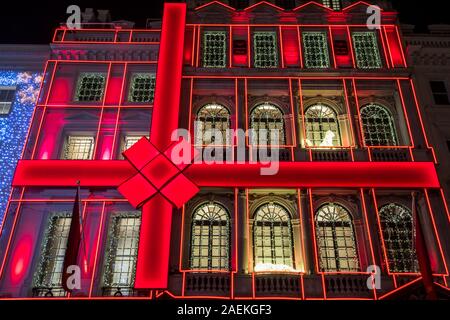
x,y
316,53
366,50
397,227
210,238
378,126
213,119
121,253
215,49
322,127
48,279
272,239
336,239
267,123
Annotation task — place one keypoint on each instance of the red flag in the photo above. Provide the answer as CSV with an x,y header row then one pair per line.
x,y
423,255
73,242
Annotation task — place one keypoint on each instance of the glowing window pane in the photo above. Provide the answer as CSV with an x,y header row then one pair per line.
x,y
266,50
322,127
399,238
90,87
366,50
316,50
212,123
49,275
272,239
122,251
378,126
142,88
210,243
79,148
214,49
267,123
336,239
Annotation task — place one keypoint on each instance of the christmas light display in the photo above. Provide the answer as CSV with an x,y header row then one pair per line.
x,y
14,126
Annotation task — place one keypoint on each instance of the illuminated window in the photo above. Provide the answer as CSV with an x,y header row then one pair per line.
x,y
322,127
142,89
398,235
378,126
336,239
332,4
90,87
79,148
122,251
267,123
215,49
130,141
210,239
366,50
266,51
316,50
7,95
47,281
272,239
213,121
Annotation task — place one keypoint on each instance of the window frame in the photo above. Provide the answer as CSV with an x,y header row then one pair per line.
x,y
224,59
310,121
346,225
6,105
392,124
259,63
374,46
131,91
326,48
66,146
78,88
111,245
286,233
222,224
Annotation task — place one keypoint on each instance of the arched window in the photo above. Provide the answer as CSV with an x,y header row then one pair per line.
x,y
322,127
378,126
210,243
267,122
336,239
272,239
398,237
212,120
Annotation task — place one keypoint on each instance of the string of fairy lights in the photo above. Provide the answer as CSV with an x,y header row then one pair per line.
x,y
14,126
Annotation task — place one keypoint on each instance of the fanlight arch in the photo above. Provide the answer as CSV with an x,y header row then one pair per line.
x,y
212,123
267,122
378,126
322,127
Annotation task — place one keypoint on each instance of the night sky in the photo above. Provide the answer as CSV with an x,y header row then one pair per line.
x,y
33,22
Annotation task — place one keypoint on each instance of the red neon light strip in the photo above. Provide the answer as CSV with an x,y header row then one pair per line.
x,y
154,246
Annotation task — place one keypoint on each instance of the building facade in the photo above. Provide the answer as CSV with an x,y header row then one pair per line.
x,y
428,54
20,78
355,160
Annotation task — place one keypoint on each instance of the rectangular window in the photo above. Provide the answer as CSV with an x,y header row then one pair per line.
x,y
90,87
122,250
316,50
79,148
214,49
142,88
440,93
48,278
332,4
266,50
366,50
7,95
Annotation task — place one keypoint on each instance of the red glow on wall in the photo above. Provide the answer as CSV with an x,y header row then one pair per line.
x,y
60,91
21,259
291,49
395,47
113,90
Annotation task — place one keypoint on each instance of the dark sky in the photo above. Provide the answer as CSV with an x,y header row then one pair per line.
x,y
33,22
